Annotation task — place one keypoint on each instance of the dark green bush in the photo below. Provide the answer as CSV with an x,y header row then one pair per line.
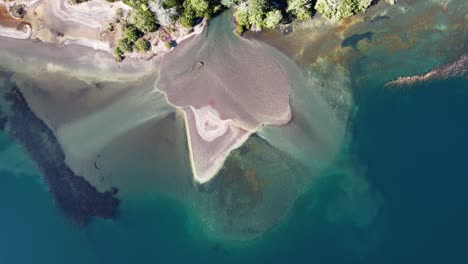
x,y
172,3
131,33
144,20
142,45
188,17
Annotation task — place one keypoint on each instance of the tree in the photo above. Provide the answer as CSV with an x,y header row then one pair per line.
x,y
123,45
338,9
300,9
131,33
18,10
144,20
127,41
142,45
242,18
201,7
188,16
273,18
256,10
167,4
228,3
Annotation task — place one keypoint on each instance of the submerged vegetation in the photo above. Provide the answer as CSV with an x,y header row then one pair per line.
x,y
150,22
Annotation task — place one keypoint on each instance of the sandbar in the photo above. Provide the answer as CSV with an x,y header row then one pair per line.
x,y
227,87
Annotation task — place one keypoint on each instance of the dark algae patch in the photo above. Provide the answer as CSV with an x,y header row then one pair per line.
x,y
353,40
3,120
77,199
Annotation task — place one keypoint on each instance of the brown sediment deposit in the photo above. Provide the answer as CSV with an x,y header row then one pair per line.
x,y
344,24
305,43
237,183
395,42
6,20
254,183
425,20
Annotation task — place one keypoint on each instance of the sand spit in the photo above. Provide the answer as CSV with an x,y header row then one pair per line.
x,y
210,141
454,69
227,88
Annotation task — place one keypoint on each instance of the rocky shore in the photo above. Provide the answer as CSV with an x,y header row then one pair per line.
x,y
454,69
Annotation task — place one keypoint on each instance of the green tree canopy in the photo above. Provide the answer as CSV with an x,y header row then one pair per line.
x,y
201,7
142,45
144,20
300,9
256,10
338,9
273,18
131,33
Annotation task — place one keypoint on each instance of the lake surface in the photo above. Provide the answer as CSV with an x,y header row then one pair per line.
x,y
382,182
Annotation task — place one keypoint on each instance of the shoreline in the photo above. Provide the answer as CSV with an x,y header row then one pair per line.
x,y
53,22
218,163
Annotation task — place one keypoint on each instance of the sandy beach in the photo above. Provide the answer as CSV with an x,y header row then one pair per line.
x,y
24,33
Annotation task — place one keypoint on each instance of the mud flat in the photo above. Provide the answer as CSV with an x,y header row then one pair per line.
x,y
227,90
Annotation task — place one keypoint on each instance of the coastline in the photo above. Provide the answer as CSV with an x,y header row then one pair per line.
x,y
62,24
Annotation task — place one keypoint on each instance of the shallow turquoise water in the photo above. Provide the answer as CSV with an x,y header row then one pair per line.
x,y
396,196
411,141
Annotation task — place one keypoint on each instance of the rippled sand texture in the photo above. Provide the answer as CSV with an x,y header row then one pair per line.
x,y
58,21
227,87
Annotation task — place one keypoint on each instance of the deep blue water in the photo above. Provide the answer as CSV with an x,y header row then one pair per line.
x,y
412,141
